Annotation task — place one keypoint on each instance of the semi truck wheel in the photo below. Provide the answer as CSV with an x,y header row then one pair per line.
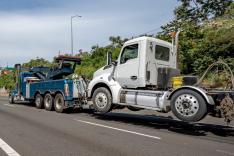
x,y
11,99
48,102
102,100
59,103
188,105
39,101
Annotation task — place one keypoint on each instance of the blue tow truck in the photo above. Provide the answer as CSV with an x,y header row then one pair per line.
x,y
48,88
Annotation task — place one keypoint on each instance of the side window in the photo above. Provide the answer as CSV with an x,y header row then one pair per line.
x,y
162,53
129,52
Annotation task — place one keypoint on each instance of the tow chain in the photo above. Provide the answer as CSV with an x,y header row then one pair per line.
x,y
227,109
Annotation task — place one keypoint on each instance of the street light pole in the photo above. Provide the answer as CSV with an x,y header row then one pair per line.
x,y
72,33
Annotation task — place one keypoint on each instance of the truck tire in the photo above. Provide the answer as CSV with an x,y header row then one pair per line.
x,y
39,101
11,99
188,105
102,100
59,103
48,102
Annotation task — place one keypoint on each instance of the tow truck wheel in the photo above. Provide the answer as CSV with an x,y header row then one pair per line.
x,y
102,100
188,105
39,101
48,102
11,99
59,103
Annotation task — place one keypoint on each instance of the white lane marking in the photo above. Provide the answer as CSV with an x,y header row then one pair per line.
x,y
224,152
118,129
9,105
7,149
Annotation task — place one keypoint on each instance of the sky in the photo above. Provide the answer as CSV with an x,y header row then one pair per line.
x,y
41,28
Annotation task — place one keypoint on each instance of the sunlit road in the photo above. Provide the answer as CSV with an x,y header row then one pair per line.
x,y
32,132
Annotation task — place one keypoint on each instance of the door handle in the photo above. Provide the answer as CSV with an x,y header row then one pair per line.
x,y
133,77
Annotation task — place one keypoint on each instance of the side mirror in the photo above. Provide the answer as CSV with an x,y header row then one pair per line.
x,y
115,63
108,58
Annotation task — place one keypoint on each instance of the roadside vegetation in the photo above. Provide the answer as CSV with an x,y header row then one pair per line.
x,y
207,35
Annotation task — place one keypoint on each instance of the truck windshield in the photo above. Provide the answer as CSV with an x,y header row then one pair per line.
x,y
162,53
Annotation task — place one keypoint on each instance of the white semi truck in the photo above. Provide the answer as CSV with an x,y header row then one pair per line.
x,y
141,79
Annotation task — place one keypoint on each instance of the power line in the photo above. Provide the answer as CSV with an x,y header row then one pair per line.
x,y
149,31
152,30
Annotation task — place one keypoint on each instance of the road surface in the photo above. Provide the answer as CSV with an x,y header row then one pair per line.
x,y
27,131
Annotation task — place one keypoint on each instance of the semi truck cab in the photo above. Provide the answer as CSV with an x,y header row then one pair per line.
x,y
140,59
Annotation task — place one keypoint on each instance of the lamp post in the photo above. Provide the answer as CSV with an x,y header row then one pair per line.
x,y
72,17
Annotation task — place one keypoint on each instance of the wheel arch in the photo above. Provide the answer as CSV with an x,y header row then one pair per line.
x,y
202,92
37,92
47,92
59,92
98,85
50,92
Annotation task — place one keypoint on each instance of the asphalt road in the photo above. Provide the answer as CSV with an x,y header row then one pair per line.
x,y
33,132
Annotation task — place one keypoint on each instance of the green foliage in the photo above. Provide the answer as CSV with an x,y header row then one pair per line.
x,y
38,62
207,33
195,12
97,58
7,81
218,42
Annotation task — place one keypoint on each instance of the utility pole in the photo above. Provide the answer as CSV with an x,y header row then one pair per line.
x,y
72,17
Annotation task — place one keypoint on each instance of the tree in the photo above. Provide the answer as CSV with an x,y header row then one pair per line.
x,y
198,42
117,41
7,81
97,58
217,42
38,62
196,12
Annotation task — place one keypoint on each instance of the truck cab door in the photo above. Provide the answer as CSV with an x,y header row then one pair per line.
x,y
128,66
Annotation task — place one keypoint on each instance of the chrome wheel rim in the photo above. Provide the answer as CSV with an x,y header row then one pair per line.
x,y
59,103
47,101
187,105
38,101
101,100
